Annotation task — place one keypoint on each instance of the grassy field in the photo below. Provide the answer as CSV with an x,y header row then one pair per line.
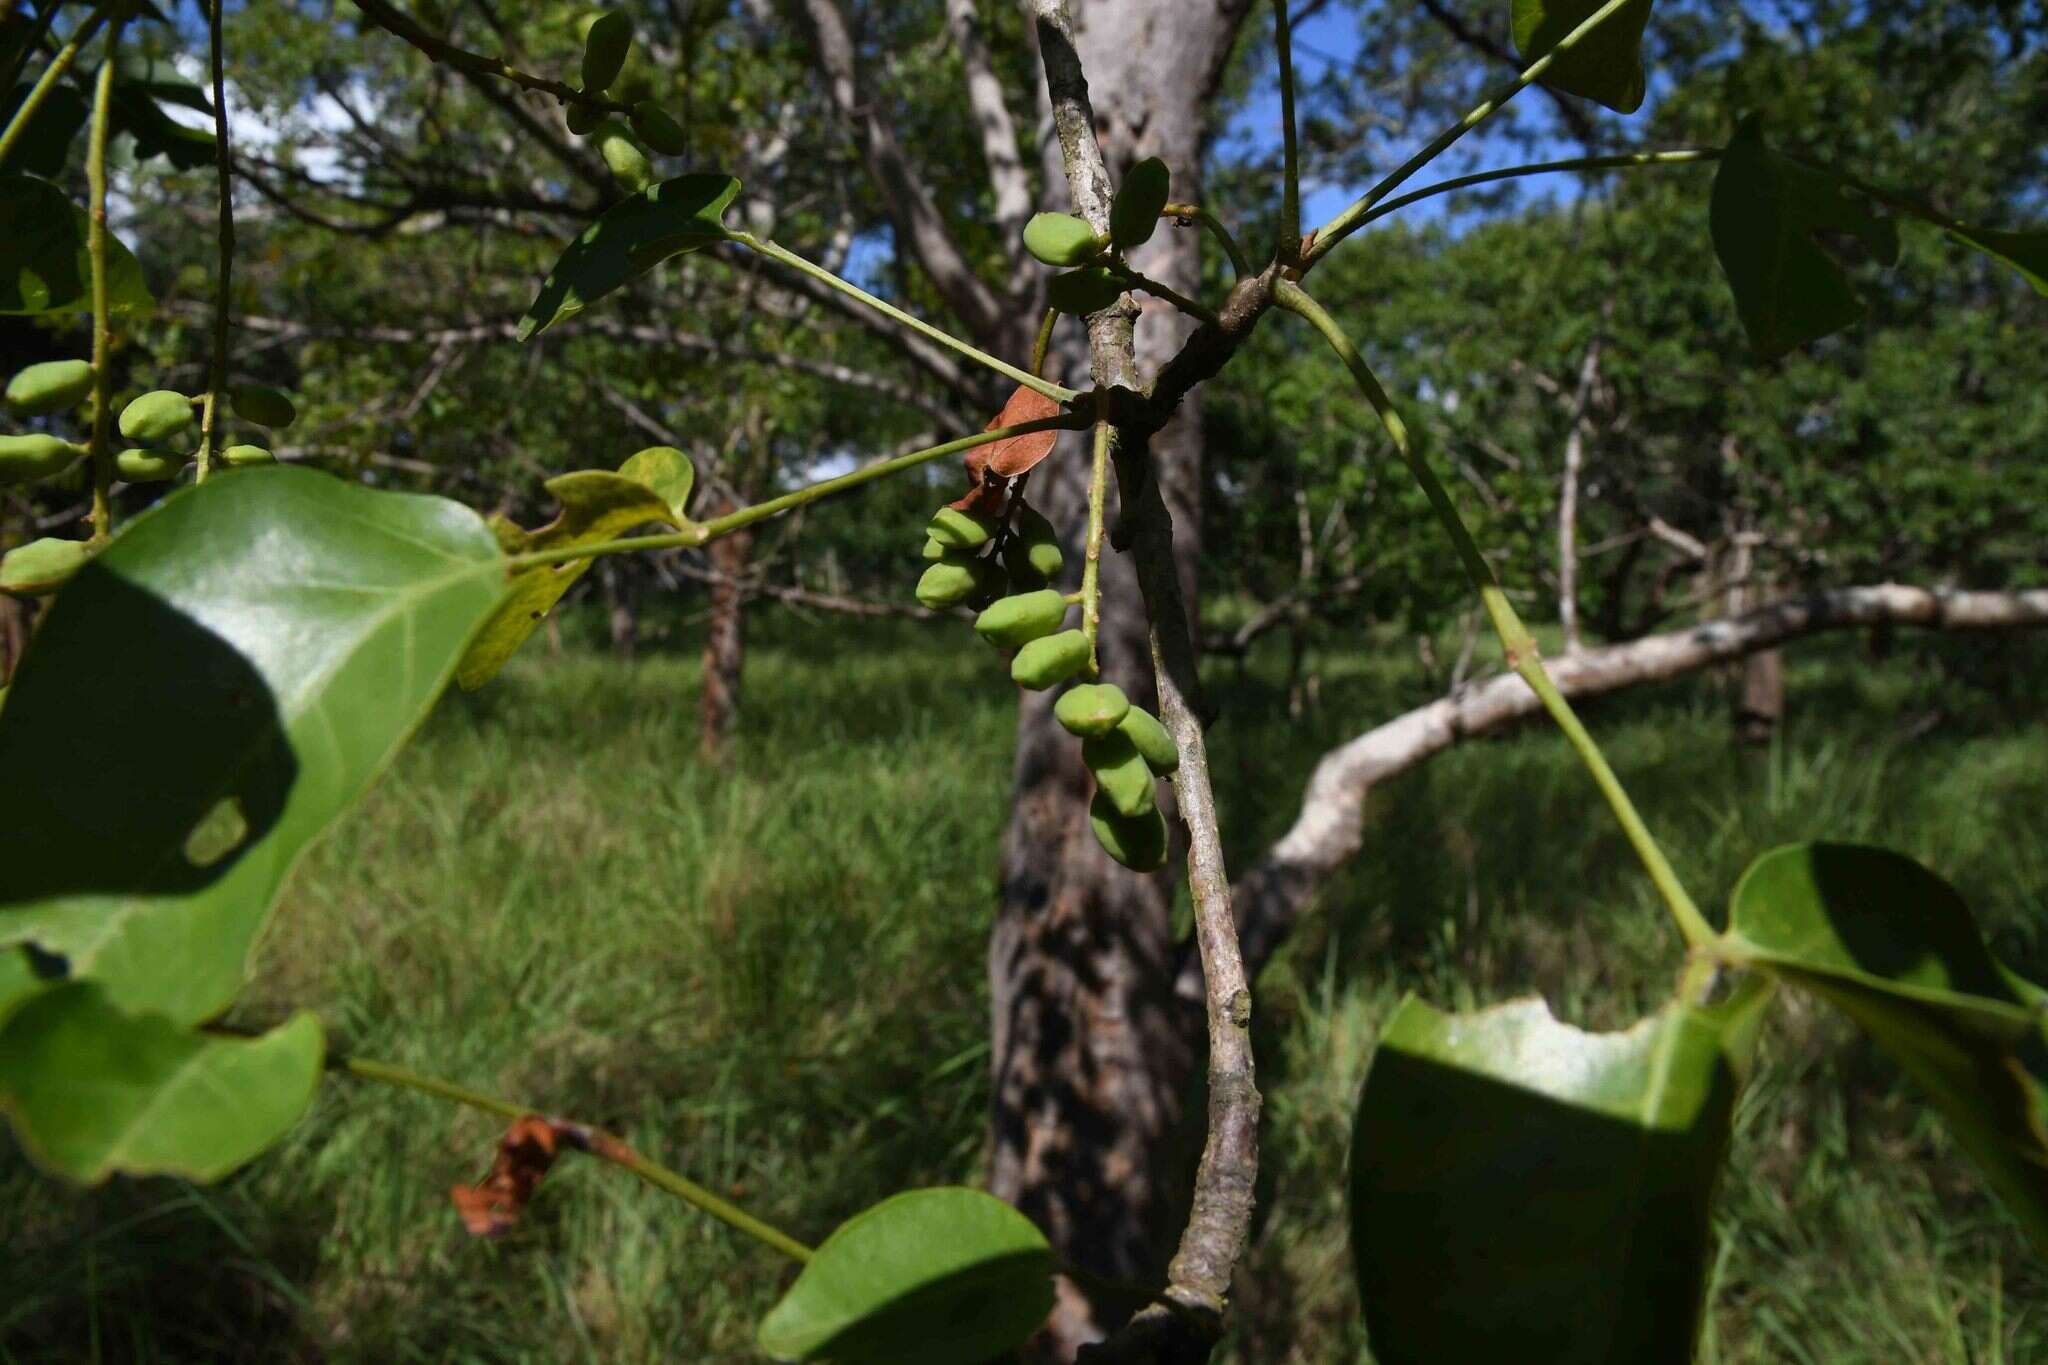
x,y
772,978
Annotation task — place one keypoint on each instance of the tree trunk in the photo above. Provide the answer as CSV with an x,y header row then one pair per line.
x,y
622,600
724,646
1096,1063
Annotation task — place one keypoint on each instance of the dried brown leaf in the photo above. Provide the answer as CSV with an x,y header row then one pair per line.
x,y
528,1149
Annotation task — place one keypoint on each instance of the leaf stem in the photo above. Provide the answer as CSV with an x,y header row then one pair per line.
x,y
438,49
1683,157
890,310
101,451
1197,214
1193,308
17,126
599,1143
1290,185
1042,344
217,366
1520,646
701,532
1353,217
1091,564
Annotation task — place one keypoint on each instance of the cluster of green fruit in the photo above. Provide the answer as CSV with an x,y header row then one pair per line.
x,y
607,42
150,421
1061,239
1005,570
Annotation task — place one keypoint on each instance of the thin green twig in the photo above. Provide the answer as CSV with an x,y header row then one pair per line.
x,y
217,365
31,44
597,1142
1042,344
102,452
1192,307
825,277
1349,221
1091,564
702,532
17,126
1515,639
1195,213
436,48
1683,157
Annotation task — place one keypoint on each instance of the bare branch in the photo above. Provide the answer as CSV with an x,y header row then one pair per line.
x,y
1329,829
1006,172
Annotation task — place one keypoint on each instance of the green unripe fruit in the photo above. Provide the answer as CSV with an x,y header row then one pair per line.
x,y
148,466
605,45
955,580
52,386
156,416
35,456
582,118
1092,709
1081,292
658,130
241,457
1016,621
934,550
263,405
1121,774
1050,660
958,530
1030,565
1138,842
1134,213
1037,535
630,166
1143,729
41,566
1062,239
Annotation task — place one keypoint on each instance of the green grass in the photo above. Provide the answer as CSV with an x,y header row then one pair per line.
x,y
772,978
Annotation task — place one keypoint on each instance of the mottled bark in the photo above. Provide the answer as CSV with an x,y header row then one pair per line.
x,y
725,646
1095,1063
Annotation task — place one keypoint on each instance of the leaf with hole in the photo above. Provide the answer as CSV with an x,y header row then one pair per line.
x,y
633,236
44,264
597,505
1894,947
931,1277
1523,1190
1767,214
263,643
1606,65
93,1090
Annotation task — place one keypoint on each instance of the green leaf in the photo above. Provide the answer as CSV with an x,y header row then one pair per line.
x,y
1766,211
596,505
669,473
2026,252
1606,65
933,1277
141,87
633,237
248,656
44,265
1895,948
46,142
1522,1190
92,1090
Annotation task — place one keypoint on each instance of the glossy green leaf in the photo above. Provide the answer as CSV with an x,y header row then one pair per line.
x,y
1606,65
251,653
46,143
1522,1190
632,237
1766,212
44,266
92,1090
1895,948
933,1277
2026,252
596,505
669,473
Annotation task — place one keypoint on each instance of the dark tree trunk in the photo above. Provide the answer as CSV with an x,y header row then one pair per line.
x,y
724,646
1096,1061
